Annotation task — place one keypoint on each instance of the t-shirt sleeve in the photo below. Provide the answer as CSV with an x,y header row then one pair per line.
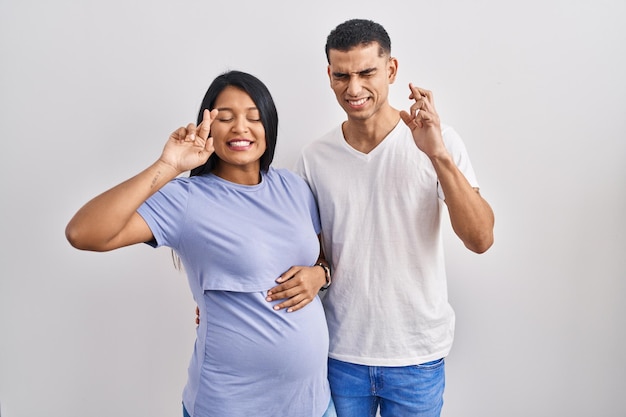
x,y
313,209
454,144
305,193
299,167
164,212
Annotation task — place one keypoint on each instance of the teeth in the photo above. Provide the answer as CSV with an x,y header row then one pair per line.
x,y
357,102
239,143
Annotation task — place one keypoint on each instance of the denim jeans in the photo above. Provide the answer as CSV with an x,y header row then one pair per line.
x,y
359,390
330,412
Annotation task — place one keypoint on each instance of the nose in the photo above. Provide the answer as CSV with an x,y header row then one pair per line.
x,y
240,125
354,86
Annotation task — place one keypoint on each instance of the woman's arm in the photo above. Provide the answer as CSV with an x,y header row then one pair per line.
x,y
110,220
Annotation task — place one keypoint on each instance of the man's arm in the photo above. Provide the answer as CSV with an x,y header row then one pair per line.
x,y
471,216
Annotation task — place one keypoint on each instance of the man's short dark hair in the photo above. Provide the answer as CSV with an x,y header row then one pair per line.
x,y
356,32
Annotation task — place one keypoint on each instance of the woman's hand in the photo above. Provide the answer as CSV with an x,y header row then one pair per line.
x,y
189,147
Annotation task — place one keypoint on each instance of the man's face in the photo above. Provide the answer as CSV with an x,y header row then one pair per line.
x,y
360,79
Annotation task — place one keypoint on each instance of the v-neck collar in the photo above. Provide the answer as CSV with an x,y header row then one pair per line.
x,y
376,150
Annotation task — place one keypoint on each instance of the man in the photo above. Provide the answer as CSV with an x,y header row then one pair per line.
x,y
380,180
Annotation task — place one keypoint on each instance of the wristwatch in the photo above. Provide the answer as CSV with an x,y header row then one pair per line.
x,y
328,279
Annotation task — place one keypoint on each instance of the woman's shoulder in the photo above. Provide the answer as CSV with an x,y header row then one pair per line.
x,y
288,177
284,173
186,186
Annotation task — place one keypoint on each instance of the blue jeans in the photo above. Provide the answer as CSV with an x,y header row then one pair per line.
x,y
330,412
358,390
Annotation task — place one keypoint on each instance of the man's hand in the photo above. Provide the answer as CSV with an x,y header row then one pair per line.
x,y
299,286
471,216
424,123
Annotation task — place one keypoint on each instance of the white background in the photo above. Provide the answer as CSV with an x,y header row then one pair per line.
x,y
89,92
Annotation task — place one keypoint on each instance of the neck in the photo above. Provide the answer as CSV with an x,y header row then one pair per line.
x,y
243,176
365,134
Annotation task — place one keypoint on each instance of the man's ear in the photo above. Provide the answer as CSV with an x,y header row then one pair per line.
x,y
392,69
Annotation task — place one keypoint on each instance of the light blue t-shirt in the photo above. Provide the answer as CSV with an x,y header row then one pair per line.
x,y
234,241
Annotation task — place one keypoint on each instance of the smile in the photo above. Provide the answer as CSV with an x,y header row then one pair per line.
x,y
357,103
239,143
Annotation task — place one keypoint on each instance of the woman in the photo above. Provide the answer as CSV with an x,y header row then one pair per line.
x,y
238,226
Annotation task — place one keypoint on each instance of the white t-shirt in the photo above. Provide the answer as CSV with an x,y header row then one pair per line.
x,y
380,214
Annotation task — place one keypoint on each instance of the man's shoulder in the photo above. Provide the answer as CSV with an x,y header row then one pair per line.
x,y
330,138
451,138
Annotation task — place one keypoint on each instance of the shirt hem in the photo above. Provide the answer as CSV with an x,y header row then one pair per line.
x,y
370,361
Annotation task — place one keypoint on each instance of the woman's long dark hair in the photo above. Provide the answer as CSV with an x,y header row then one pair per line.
x,y
261,97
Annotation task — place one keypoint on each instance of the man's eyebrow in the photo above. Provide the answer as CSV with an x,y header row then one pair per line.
x,y
365,71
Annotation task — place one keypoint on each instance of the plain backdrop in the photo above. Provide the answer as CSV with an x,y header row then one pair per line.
x,y
89,92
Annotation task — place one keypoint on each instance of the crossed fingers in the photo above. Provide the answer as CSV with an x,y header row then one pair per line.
x,y
423,108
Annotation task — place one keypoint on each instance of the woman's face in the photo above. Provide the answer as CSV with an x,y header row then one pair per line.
x,y
238,134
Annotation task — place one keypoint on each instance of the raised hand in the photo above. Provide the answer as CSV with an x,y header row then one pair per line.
x,y
110,220
190,146
423,121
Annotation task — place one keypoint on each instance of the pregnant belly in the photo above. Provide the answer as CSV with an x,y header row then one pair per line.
x,y
248,343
